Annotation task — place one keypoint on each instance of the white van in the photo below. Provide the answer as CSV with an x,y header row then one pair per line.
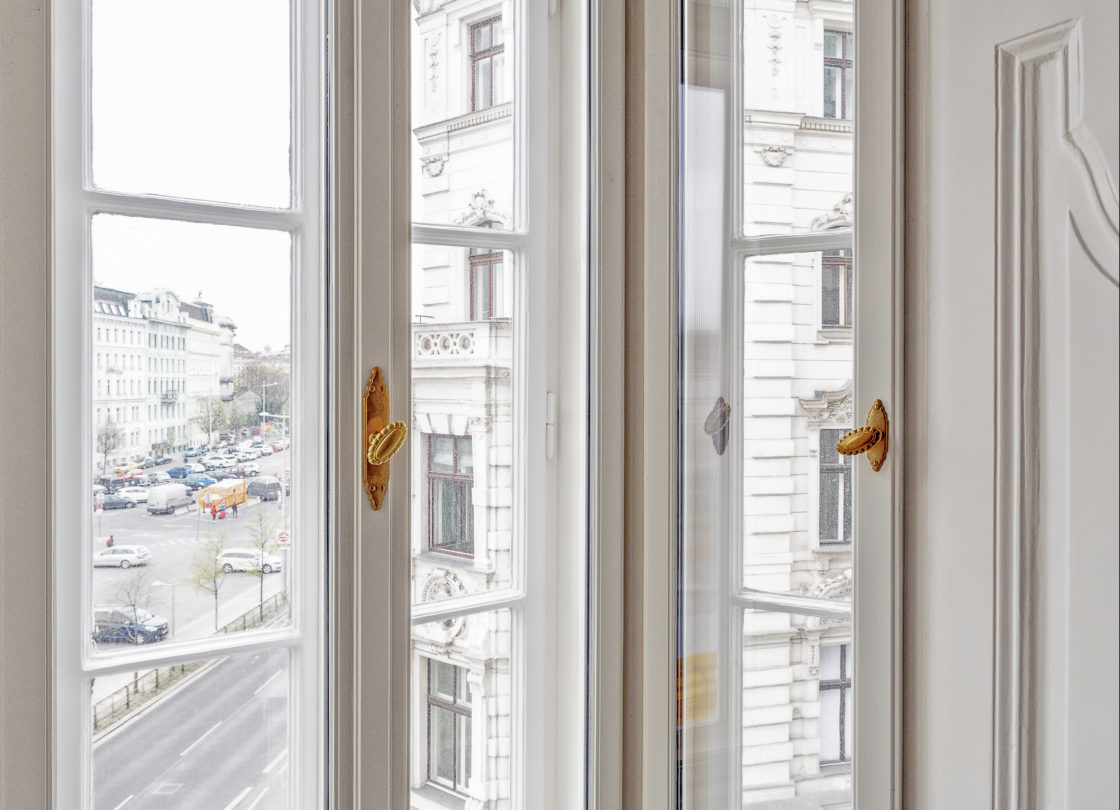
x,y
165,499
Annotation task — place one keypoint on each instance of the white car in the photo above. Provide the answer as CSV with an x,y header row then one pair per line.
x,y
246,559
265,450
122,557
134,494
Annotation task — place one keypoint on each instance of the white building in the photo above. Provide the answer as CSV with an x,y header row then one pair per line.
x,y
167,405
120,348
204,368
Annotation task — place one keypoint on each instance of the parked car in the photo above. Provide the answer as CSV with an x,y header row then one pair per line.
x,y
192,452
157,477
134,494
133,625
265,449
122,557
192,484
146,463
201,478
99,490
132,475
267,488
178,472
194,467
162,460
111,482
123,468
117,502
247,470
217,462
247,559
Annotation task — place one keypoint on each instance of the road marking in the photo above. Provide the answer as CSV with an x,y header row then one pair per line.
x,y
257,800
266,683
272,764
240,796
126,801
200,739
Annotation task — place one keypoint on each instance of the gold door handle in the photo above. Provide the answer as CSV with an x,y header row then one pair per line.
x,y
870,439
381,439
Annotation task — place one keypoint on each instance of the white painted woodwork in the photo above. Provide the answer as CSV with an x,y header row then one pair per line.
x,y
1012,479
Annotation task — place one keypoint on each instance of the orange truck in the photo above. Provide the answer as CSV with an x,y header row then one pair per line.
x,y
222,494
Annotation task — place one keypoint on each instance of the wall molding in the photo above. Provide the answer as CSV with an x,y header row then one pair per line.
x,y
1092,210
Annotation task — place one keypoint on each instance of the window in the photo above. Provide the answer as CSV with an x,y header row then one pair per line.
x,y
835,500
838,71
487,63
486,283
836,700
450,481
449,725
836,289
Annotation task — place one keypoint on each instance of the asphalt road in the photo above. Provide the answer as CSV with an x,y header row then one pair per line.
x,y
217,743
174,540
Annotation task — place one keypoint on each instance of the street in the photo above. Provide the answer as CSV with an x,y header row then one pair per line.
x,y
219,741
163,585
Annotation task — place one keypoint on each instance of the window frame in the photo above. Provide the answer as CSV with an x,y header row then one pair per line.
x,y
485,55
845,64
843,685
76,201
433,476
457,711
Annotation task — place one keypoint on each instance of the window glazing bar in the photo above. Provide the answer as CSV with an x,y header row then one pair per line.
x,y
137,205
483,602
465,236
836,239
787,603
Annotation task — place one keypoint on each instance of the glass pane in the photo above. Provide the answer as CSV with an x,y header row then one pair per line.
x,y
797,133
442,677
767,374
193,99
462,390
468,741
198,734
463,121
191,404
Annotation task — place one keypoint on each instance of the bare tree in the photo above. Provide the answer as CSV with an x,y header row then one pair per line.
x,y
109,438
213,416
134,594
262,540
206,572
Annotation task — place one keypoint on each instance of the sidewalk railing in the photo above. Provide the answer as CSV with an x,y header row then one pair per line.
x,y
146,686
139,691
258,614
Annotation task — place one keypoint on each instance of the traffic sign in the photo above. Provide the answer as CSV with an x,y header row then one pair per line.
x,y
284,538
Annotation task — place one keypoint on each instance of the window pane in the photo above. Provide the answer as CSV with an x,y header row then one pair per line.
x,y
198,734
476,648
192,459
462,389
830,725
186,107
463,121
797,132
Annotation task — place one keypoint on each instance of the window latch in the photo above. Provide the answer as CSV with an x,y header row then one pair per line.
x,y
870,439
381,439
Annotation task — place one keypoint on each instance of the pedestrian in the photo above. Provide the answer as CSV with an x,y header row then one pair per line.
x,y
235,510
213,511
109,542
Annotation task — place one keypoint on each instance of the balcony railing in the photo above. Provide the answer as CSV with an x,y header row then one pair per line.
x,y
463,343
169,397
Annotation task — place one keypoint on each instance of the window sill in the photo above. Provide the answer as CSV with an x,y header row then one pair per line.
x,y
835,334
834,548
448,560
432,797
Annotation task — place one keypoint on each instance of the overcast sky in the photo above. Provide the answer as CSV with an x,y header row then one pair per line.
x,y
192,100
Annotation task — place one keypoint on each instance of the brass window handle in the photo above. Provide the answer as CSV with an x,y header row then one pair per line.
x,y
870,439
381,439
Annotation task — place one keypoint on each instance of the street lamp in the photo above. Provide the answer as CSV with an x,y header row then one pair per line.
x,y
264,385
161,584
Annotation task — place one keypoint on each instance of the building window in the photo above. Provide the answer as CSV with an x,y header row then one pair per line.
x,y
450,480
486,283
449,725
487,63
836,289
836,702
838,72
835,504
